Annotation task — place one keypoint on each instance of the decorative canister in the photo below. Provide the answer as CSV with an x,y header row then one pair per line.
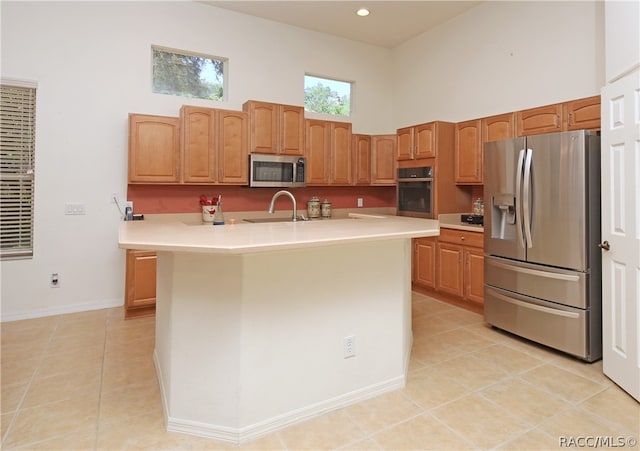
x,y
325,209
313,207
208,212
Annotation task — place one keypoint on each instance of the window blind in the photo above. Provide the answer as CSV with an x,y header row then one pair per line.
x,y
17,151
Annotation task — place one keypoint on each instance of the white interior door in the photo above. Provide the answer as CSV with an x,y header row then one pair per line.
x,y
621,229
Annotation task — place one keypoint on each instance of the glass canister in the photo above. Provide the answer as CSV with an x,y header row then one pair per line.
x,y
313,207
478,207
325,209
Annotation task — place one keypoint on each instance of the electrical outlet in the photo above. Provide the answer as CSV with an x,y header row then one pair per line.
x,y
349,346
55,280
360,202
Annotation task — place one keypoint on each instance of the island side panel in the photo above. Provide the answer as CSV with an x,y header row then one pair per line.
x,y
300,305
197,340
251,343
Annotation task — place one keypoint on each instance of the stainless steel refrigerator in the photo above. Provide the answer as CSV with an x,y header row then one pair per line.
x,y
541,234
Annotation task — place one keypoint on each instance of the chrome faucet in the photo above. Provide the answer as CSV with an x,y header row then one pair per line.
x,y
272,205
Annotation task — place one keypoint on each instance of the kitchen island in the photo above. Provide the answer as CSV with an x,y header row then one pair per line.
x,y
259,326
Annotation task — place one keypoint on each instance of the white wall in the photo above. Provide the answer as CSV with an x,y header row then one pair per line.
x,y
500,57
92,64
622,38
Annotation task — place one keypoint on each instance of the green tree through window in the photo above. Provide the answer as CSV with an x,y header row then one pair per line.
x,y
323,95
187,75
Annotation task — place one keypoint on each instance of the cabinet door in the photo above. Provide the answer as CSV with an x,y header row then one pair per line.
x,y
291,130
474,274
425,262
361,163
383,160
340,153
502,126
583,114
468,153
534,121
233,163
317,151
140,283
263,126
405,143
198,144
154,149
450,269
424,141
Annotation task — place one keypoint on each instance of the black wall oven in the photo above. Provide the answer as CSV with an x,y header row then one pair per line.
x,y
415,192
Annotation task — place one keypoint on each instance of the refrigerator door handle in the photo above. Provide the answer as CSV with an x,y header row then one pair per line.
x,y
526,206
540,308
534,272
518,205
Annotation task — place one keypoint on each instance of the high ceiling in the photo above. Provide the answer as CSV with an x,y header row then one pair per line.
x,y
389,24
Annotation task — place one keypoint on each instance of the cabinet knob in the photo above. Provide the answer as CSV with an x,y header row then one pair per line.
x,y
462,238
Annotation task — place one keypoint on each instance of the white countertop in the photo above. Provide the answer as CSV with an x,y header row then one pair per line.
x,y
172,234
452,221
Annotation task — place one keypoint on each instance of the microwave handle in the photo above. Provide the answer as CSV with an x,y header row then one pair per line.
x,y
295,172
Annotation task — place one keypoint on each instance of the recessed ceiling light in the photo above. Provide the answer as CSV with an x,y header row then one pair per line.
x,y
362,12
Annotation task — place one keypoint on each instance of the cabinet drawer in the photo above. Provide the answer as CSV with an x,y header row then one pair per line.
x,y
462,237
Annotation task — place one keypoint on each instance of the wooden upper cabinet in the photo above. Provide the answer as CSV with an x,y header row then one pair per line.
x,y
383,160
404,138
214,144
154,149
361,158
317,151
424,141
572,115
501,126
198,144
468,152
416,142
232,155
291,129
544,119
275,128
328,152
582,114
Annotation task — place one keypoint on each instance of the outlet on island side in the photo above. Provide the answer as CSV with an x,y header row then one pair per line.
x,y
55,280
349,346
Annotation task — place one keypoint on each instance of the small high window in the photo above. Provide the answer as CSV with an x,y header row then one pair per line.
x,y
185,74
326,95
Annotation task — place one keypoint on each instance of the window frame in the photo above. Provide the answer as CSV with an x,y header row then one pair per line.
x,y
225,64
17,173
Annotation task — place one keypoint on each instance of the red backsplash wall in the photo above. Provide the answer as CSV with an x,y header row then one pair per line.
x,y
476,191
154,199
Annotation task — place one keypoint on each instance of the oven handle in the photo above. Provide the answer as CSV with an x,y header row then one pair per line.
x,y
416,180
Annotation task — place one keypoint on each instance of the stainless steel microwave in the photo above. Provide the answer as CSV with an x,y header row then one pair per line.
x,y
276,171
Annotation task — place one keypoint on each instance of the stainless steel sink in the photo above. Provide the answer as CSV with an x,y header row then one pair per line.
x,y
268,220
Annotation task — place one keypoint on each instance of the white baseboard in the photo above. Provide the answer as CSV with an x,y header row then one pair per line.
x,y
254,431
75,308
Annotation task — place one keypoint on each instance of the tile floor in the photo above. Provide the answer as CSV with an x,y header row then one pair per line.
x,y
86,381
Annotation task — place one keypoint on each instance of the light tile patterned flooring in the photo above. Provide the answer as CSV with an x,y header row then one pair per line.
x,y
87,381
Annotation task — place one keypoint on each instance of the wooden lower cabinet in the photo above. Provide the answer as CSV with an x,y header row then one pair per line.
x,y
140,284
451,267
424,263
